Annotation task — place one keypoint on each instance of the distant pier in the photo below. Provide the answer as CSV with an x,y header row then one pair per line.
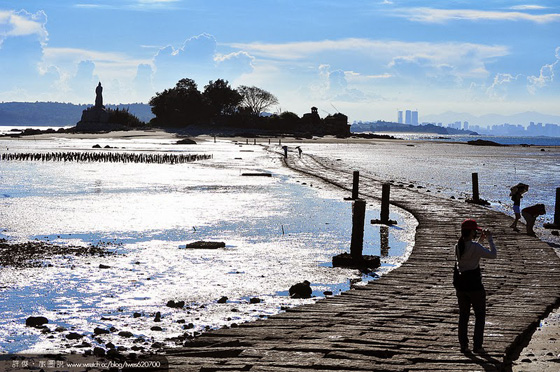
x,y
406,320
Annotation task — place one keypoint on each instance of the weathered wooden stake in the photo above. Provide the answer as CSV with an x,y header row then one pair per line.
x,y
247,141
355,183
358,218
385,192
557,208
279,142
269,141
254,141
475,194
214,139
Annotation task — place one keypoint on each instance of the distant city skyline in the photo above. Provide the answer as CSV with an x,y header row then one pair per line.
x,y
364,59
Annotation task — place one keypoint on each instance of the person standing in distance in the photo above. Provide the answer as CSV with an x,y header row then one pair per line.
x,y
467,280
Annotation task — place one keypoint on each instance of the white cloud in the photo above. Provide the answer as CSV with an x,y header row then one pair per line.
x,y
528,7
432,15
23,23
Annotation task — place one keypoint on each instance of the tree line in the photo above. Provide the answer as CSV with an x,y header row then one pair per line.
x,y
218,103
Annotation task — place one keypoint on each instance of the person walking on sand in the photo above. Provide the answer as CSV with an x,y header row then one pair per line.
x,y
299,151
285,148
467,280
530,215
516,194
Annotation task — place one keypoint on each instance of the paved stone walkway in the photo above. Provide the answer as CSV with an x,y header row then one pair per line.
x,y
405,321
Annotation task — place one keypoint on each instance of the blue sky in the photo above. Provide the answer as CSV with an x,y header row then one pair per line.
x,y
363,58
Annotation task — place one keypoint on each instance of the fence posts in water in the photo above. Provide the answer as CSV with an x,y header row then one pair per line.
x,y
476,196
355,184
358,218
556,223
384,213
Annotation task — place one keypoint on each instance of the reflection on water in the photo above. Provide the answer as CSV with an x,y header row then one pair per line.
x,y
278,231
384,240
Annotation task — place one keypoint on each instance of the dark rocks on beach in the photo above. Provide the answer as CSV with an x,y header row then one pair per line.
x,y
186,141
176,305
97,146
301,290
222,300
157,317
136,315
205,245
101,266
125,334
36,321
255,300
99,352
100,331
74,336
156,328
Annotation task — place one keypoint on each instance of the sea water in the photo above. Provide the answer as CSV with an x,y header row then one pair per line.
x,y
278,231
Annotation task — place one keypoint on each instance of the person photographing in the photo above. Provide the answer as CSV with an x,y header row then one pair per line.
x,y
467,280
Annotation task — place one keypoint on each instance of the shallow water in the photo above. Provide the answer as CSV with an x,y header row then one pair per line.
x,y
446,168
278,231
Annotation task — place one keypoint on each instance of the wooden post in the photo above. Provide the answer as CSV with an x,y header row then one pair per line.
x,y
475,194
254,141
247,141
214,139
279,142
557,208
358,218
269,141
385,192
355,182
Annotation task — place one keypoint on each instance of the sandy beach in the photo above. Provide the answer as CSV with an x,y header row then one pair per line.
x,y
543,351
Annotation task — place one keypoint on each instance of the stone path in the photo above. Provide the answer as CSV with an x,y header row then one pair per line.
x,y
405,321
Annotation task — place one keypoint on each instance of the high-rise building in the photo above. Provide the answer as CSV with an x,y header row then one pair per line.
x,y
414,120
408,117
399,114
466,125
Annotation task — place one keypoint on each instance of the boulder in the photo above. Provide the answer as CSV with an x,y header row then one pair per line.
x,y
301,290
36,321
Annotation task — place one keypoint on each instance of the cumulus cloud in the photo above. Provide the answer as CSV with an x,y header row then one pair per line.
x,y
432,15
198,59
23,23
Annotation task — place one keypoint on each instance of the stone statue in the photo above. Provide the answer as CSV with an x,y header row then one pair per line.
x,y
99,96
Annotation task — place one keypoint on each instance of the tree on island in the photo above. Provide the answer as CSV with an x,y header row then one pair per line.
x,y
221,99
179,106
256,100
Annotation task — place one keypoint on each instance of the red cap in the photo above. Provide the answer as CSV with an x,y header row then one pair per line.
x,y
470,225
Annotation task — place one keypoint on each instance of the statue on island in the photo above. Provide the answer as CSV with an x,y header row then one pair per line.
x,y
99,96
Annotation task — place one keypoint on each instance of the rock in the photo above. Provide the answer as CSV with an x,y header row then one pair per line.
x,y
96,146
177,305
327,293
206,245
480,142
112,353
301,290
188,326
186,141
222,300
125,334
60,329
157,345
100,331
136,315
255,300
101,266
156,328
110,345
157,317
36,321
74,336
97,351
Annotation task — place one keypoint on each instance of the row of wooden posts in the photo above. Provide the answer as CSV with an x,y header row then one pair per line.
x,y
359,211
105,157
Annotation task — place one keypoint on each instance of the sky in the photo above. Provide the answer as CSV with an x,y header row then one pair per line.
x,y
366,59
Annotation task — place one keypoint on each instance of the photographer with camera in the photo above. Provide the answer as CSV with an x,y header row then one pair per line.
x,y
467,280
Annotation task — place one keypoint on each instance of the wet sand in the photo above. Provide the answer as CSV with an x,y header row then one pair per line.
x,y
543,351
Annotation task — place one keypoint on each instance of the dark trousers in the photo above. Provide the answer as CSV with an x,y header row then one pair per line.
x,y
476,299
